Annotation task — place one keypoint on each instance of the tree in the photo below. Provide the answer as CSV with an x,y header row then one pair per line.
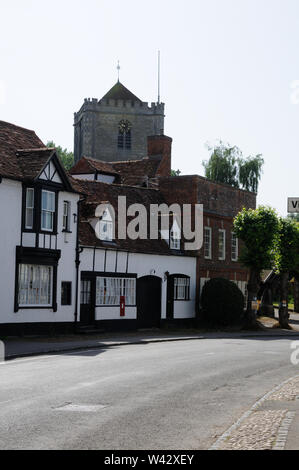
x,y
66,157
223,164
258,229
294,217
227,165
175,172
286,260
250,171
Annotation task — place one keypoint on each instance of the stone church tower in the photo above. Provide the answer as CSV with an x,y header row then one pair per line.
x,y
116,127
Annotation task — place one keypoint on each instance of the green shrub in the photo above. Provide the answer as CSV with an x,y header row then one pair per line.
x,y
222,303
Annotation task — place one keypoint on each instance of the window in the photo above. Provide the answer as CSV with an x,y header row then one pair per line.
x,y
48,211
35,285
85,292
181,288
208,243
110,289
66,216
124,140
106,226
234,247
66,293
222,245
175,237
29,211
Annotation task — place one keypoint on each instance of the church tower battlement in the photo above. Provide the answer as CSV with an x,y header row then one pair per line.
x,y
116,127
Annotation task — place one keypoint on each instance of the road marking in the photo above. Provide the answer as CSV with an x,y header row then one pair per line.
x,y
80,408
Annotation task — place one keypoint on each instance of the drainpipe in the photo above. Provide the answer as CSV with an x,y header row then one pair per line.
x,y
77,261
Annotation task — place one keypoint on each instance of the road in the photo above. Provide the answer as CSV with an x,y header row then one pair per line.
x,y
177,395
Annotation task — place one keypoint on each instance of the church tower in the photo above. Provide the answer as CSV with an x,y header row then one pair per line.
x,y
116,127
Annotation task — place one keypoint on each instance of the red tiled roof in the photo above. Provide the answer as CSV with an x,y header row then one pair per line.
x,y
136,172
13,138
90,165
99,193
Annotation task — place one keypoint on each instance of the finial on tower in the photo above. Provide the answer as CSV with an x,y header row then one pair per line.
x,y
118,69
159,71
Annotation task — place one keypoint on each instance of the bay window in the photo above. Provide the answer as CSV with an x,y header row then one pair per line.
x,y
35,285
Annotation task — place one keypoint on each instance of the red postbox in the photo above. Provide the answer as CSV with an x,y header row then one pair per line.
x,y
122,306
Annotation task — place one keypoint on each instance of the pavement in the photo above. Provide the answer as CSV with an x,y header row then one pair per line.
x,y
31,346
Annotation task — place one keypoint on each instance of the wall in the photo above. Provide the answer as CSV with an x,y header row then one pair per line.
x,y
142,265
96,128
10,237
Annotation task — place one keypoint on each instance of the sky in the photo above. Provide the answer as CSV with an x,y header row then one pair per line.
x,y
229,71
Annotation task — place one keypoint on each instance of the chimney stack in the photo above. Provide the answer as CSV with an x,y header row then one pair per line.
x,y
160,145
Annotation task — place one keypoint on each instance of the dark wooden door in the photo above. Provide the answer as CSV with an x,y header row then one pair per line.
x,y
170,297
87,307
148,302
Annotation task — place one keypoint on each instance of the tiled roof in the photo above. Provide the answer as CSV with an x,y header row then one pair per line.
x,y
31,162
13,138
136,172
99,193
90,165
120,92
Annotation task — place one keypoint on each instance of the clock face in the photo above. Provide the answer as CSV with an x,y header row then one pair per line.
x,y
124,126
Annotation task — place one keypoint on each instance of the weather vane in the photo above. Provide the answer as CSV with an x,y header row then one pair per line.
x,y
118,69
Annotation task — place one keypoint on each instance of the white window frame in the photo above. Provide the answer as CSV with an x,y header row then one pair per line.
x,y
175,237
222,255
181,289
234,247
29,209
30,281
66,216
208,249
110,289
48,211
106,227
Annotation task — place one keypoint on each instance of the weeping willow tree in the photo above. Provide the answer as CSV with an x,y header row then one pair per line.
x,y
250,172
222,165
227,165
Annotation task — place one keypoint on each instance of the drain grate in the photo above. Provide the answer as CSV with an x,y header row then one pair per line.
x,y
80,408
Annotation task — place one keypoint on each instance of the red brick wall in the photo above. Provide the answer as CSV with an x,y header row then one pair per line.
x,y
221,204
161,145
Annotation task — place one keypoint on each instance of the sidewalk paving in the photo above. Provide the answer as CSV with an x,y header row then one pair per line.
x,y
272,423
31,346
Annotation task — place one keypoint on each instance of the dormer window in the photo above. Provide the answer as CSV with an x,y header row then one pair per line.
x,y
124,135
106,227
175,237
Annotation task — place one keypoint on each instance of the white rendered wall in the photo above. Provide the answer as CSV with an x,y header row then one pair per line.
x,y
143,265
10,237
10,234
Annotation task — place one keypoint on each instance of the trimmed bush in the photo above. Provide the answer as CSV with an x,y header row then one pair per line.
x,y
222,303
